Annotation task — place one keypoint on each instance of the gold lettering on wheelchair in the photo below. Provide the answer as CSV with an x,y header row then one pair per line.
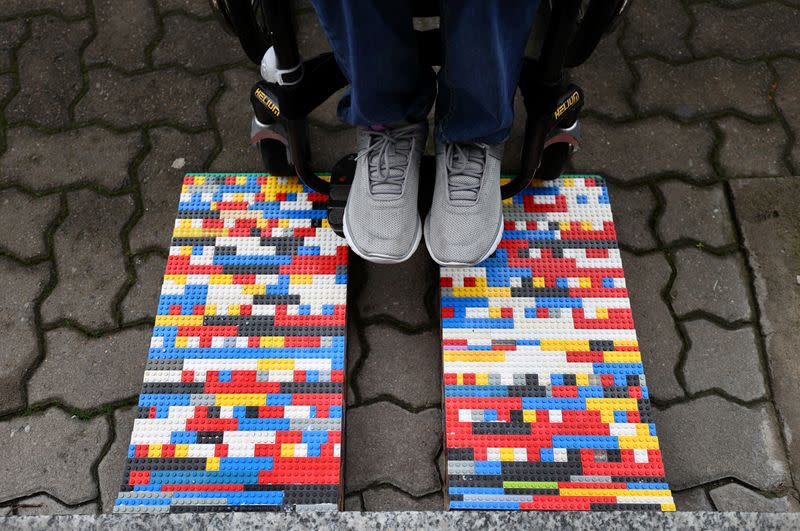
x,y
564,107
268,103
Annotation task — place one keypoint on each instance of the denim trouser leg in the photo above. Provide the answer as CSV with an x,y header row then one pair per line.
x,y
375,46
484,42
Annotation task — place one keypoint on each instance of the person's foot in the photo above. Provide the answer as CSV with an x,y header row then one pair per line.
x,y
465,223
381,221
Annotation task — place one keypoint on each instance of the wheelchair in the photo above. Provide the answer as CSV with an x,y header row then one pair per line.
x,y
567,32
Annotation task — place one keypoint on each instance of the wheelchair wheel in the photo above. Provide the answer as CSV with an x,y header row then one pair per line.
x,y
275,157
245,20
554,159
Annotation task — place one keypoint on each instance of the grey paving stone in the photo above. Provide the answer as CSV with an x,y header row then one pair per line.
x,y
633,208
90,155
141,301
20,286
701,87
768,215
49,72
88,372
659,340
398,290
695,213
353,355
11,34
160,177
90,260
26,219
606,80
750,150
196,44
786,99
67,8
645,148
407,367
173,96
714,284
111,470
735,497
723,359
6,86
386,443
233,114
50,452
709,438
41,505
657,28
352,503
764,29
692,500
389,499
194,7
125,29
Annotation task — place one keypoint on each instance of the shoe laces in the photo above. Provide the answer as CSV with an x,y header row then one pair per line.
x,y
388,156
465,164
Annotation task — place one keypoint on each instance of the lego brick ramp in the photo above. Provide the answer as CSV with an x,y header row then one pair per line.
x,y
241,406
546,403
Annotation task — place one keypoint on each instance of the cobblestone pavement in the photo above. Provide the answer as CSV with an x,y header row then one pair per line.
x,y
693,113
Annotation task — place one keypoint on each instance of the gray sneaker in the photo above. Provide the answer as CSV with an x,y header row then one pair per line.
x,y
381,222
465,223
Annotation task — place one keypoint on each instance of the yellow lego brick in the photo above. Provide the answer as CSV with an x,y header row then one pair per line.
x,y
493,356
254,289
626,343
241,179
271,342
154,450
179,320
186,250
582,380
585,282
276,364
283,223
212,463
494,313
506,454
637,442
241,399
611,404
234,309
613,492
176,279
181,450
668,507
568,183
220,279
586,225
301,279
199,180
287,450
602,313
622,356
563,225
563,345
481,379
481,292
528,415
181,342
538,282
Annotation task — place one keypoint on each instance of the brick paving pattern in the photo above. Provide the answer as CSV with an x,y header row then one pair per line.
x,y
692,113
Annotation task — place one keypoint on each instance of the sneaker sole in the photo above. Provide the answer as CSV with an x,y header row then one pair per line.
x,y
378,258
497,240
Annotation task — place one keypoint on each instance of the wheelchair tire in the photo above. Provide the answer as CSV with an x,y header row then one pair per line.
x,y
274,156
554,160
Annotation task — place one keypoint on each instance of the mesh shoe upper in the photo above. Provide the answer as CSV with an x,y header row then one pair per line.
x,y
466,214
381,215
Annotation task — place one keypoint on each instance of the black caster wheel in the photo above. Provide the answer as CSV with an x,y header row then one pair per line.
x,y
274,155
554,159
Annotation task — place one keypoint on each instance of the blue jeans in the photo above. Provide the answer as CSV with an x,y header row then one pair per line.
x,y
483,47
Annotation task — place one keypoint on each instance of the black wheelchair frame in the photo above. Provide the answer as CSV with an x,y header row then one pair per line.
x,y
572,31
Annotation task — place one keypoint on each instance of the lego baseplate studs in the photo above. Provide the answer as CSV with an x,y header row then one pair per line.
x,y
546,402
241,405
